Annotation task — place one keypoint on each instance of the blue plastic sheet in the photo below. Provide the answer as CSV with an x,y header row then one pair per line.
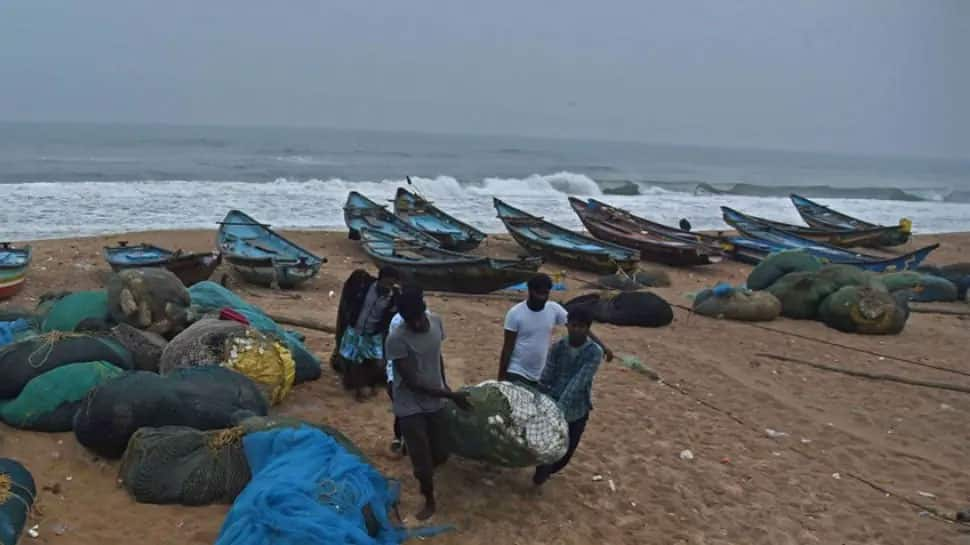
x,y
12,331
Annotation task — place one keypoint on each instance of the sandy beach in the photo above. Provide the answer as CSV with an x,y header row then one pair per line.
x,y
847,460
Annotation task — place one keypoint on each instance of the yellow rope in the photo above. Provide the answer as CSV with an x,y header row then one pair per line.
x,y
226,437
48,340
4,488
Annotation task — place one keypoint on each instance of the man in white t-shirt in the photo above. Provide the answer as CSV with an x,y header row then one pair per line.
x,y
528,333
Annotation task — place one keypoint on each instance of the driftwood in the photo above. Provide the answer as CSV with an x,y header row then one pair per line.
x,y
308,323
870,376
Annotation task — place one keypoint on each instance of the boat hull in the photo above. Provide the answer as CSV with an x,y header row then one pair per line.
x,y
662,249
597,263
824,218
875,237
451,233
14,263
189,268
11,282
266,272
261,256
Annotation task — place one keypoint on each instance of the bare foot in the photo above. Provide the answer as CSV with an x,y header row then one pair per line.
x,y
427,512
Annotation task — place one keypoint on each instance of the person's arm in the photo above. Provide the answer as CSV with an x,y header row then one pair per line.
x,y
550,369
409,375
507,346
606,351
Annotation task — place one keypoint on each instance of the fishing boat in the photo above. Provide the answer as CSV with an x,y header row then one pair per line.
x,y
363,213
190,268
876,237
765,240
263,257
433,268
13,268
618,226
822,217
450,232
556,243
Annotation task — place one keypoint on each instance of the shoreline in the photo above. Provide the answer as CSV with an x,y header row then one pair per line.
x,y
717,398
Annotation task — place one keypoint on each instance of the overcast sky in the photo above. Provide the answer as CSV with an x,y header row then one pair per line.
x,y
878,76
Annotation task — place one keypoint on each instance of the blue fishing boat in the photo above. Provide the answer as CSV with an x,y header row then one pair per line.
x,y
190,267
847,238
556,243
761,240
433,268
822,217
362,213
263,257
13,268
450,232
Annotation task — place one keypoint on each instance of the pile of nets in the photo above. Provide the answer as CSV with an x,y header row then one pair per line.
x,y
956,273
508,425
26,360
71,311
182,465
48,402
152,299
725,301
779,264
861,309
236,346
308,490
636,308
17,493
210,298
801,293
920,287
204,398
145,347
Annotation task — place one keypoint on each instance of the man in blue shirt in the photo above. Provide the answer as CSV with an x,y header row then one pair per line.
x,y
568,379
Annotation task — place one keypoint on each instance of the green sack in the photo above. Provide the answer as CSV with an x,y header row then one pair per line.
x,y
779,264
67,312
743,305
801,293
48,402
508,425
860,309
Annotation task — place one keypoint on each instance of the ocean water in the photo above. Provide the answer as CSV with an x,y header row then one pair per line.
x,y
84,179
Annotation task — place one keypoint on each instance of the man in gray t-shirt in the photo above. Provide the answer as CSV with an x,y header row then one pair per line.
x,y
420,391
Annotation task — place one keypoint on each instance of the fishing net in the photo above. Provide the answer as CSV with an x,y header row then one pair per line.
x,y
266,361
182,465
203,398
801,293
17,493
905,280
145,347
860,309
66,313
23,361
48,403
153,299
211,297
508,425
638,308
308,490
738,304
778,265
15,330
921,287
202,343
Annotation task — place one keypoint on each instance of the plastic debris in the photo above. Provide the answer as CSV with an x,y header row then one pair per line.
x,y
686,455
597,478
836,476
32,531
775,433
926,494
612,486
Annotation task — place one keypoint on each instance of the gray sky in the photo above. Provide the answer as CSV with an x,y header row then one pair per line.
x,y
879,76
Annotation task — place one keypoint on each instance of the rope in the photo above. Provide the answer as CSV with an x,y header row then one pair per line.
x,y
7,492
845,346
227,437
48,340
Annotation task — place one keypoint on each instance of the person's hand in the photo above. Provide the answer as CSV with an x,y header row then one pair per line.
x,y
609,355
461,400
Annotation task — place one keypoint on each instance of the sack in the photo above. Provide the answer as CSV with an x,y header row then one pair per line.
x,y
181,465
778,265
639,308
211,297
202,343
178,464
855,309
738,304
307,490
23,361
153,299
48,402
509,425
17,493
204,398
801,293
70,311
145,347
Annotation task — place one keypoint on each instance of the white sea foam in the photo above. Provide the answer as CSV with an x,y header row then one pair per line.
x,y
61,209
